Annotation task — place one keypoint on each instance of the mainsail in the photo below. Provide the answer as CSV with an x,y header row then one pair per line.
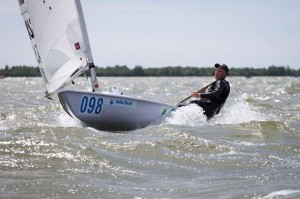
x,y
59,38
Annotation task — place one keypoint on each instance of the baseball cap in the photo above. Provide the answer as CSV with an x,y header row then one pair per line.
x,y
223,66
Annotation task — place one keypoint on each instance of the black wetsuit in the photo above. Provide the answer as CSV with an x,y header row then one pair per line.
x,y
213,99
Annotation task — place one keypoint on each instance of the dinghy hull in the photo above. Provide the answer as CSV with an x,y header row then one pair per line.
x,y
112,112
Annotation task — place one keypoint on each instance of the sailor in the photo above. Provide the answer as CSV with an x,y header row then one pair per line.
x,y
213,97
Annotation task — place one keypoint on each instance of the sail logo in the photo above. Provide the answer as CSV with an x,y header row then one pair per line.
x,y
31,36
77,46
29,29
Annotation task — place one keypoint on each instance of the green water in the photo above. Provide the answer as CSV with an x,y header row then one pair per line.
x,y
250,150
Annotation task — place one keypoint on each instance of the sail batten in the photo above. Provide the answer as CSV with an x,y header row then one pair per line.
x,y
59,39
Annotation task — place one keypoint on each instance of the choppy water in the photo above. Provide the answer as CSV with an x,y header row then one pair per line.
x,y
250,150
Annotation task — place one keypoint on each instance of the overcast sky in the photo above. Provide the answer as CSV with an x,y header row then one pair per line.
x,y
156,33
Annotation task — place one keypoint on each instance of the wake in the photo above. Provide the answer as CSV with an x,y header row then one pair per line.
x,y
236,111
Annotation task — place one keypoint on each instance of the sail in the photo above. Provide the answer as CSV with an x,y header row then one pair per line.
x,y
59,38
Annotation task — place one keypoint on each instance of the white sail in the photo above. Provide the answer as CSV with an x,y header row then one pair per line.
x,y
59,38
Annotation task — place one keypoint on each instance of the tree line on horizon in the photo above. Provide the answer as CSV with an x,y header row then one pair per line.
x,y
31,71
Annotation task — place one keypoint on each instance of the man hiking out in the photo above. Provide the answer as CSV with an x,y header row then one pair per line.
x,y
213,97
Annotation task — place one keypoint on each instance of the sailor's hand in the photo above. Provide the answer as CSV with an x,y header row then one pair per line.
x,y
201,90
195,94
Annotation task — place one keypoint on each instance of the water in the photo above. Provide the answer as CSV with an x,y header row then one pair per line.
x,y
250,150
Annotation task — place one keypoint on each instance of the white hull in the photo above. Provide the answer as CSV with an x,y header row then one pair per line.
x,y
112,112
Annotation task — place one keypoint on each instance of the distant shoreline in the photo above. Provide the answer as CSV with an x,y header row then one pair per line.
x,y
169,71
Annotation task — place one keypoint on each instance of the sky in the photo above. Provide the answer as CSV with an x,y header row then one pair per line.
x,y
158,33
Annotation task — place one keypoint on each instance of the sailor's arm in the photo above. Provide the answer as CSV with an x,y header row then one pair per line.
x,y
220,87
202,90
197,93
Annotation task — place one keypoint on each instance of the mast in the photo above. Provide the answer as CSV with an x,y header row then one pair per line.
x,y
90,62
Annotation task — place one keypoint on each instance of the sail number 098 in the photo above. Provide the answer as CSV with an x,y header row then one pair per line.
x,y
91,105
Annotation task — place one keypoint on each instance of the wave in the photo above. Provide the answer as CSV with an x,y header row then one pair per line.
x,y
238,111
281,193
293,88
190,115
64,120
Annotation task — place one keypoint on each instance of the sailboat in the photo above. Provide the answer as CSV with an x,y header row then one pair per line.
x,y
60,43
